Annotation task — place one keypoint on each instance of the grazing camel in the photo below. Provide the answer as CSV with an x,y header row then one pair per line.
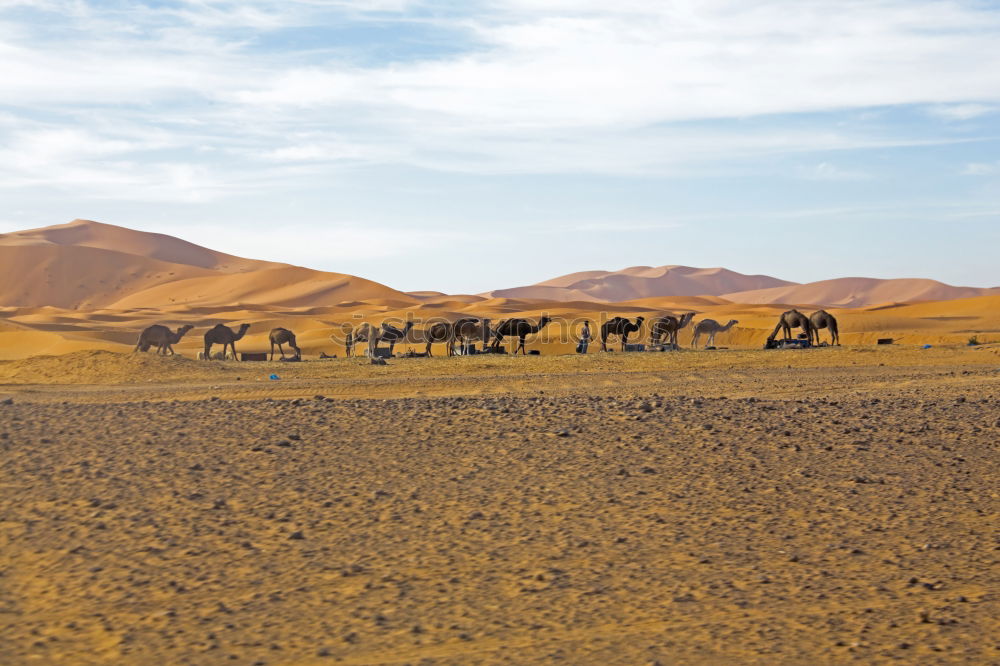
x,y
823,319
711,328
223,335
788,321
442,331
390,334
668,326
522,328
160,337
282,336
363,333
621,327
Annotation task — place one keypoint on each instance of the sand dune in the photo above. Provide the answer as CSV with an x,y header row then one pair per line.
x,y
859,292
87,233
641,282
89,265
87,285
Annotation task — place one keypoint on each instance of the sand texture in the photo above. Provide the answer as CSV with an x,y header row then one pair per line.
x,y
835,505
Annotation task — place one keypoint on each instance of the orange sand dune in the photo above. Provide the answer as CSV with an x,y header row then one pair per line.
x,y
87,233
89,265
87,285
641,282
859,292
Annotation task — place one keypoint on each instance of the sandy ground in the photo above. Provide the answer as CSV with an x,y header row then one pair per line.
x,y
832,505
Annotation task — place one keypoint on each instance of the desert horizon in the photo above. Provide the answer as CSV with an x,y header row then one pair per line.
x,y
401,332
123,281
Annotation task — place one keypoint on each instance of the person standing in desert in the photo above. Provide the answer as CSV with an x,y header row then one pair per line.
x,y
581,348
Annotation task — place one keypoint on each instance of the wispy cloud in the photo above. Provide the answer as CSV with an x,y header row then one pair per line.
x,y
195,100
963,111
981,169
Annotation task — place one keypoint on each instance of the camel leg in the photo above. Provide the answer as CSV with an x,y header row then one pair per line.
x,y
169,349
208,351
520,347
232,346
281,350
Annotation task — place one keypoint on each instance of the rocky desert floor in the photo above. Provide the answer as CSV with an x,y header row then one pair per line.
x,y
820,506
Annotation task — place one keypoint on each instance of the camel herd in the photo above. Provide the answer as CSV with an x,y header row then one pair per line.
x,y
163,339
464,332
811,326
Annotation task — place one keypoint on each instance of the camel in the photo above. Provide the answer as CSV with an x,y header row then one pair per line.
x,y
788,321
669,326
363,333
280,336
390,334
823,319
621,327
223,335
519,327
711,328
161,337
442,331
465,331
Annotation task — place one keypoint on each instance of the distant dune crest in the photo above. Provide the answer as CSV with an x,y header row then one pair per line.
x,y
641,282
859,292
89,265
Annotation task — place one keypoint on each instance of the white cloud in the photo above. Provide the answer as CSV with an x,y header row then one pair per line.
x,y
183,98
981,169
963,111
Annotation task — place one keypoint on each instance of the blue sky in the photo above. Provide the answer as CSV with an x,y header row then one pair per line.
x,y
476,145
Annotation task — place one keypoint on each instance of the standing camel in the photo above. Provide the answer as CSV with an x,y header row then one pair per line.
x,y
282,336
390,334
711,328
621,327
668,326
363,333
522,328
441,331
467,330
823,319
788,321
223,335
160,337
